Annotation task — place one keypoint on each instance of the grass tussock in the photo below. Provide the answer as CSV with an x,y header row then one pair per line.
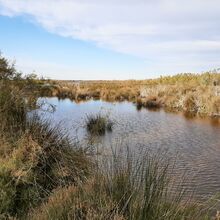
x,y
98,124
123,189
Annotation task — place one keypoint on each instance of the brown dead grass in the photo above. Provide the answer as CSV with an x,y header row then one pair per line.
x,y
183,92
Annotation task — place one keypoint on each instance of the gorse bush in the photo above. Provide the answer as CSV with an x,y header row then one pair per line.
x,y
14,101
12,106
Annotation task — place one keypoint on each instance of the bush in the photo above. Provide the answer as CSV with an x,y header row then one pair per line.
x,y
13,109
7,70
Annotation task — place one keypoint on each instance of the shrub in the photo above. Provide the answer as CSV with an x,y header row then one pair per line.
x,y
13,109
7,69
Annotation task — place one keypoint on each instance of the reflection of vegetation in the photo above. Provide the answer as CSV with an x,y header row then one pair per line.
x,y
43,175
98,124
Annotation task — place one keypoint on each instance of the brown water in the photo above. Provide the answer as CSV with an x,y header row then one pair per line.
x,y
194,142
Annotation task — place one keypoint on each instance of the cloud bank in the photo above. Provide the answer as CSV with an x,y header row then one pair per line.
x,y
173,34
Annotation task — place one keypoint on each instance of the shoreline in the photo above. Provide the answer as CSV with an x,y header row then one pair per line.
x,y
190,93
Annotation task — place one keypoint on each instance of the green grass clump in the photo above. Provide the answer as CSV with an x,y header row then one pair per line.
x,y
98,124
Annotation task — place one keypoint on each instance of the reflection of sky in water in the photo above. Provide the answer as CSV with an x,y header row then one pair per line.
x,y
196,142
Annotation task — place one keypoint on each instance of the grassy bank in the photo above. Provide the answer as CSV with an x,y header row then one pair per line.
x,y
44,175
35,158
194,93
124,189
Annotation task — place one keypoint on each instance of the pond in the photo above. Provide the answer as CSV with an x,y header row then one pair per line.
x,y
194,142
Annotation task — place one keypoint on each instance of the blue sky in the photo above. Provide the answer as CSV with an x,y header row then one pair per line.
x,y
94,39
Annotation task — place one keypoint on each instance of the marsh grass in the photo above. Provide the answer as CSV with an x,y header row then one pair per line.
x,y
124,187
171,92
35,157
44,175
98,124
39,161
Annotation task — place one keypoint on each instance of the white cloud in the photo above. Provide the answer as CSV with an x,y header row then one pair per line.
x,y
163,31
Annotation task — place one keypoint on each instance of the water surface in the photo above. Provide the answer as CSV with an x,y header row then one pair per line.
x,y
195,142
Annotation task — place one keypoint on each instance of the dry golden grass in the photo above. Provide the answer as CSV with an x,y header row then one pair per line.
x,y
197,93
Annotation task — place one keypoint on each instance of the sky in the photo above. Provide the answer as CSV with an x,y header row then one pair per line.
x,y
110,39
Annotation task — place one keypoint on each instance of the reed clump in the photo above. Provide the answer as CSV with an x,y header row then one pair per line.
x,y
98,124
38,162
